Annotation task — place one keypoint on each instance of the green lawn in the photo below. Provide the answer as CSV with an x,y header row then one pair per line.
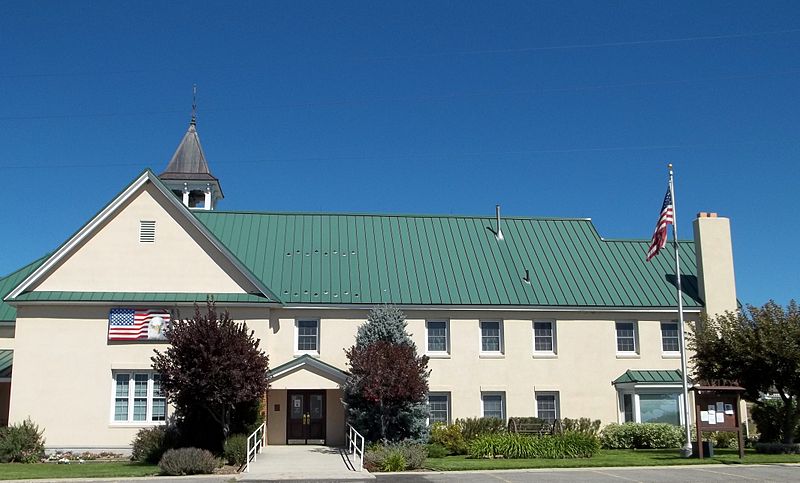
x,y
90,469
614,457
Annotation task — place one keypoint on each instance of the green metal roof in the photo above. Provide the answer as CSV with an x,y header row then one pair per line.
x,y
650,377
6,362
7,284
133,297
448,260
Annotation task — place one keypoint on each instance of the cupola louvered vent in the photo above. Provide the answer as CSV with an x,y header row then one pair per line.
x,y
147,231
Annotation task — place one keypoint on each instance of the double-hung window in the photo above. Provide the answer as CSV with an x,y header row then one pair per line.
x,y
138,398
437,337
491,337
307,336
547,406
544,337
670,338
439,407
493,405
626,337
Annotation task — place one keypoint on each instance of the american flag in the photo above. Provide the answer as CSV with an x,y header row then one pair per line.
x,y
666,217
132,324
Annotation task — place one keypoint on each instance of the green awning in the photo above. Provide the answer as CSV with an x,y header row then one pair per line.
x,y
650,377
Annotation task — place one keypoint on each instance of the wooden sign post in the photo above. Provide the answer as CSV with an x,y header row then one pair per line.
x,y
717,409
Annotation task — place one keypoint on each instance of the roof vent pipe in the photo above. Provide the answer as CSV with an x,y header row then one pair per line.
x,y
498,232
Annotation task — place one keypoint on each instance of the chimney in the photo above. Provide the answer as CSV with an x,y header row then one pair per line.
x,y
714,251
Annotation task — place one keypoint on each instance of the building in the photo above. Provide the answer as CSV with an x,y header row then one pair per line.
x,y
520,316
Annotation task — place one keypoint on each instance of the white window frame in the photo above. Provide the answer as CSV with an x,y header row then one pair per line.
x,y
554,337
670,354
502,395
497,353
148,421
557,396
635,351
635,392
297,350
449,407
435,353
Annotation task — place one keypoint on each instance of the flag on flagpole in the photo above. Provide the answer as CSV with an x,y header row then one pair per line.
x,y
666,217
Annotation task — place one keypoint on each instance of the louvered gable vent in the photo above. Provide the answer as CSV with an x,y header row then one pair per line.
x,y
147,231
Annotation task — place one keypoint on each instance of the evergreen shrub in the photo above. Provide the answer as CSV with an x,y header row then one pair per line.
x,y
149,444
21,443
235,449
187,461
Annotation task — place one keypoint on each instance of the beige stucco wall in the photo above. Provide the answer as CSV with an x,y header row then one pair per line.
x,y
63,365
113,259
63,373
582,372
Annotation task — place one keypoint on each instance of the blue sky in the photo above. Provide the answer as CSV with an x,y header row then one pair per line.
x,y
550,108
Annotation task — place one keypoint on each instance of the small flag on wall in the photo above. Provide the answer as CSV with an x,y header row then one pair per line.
x,y
134,324
666,217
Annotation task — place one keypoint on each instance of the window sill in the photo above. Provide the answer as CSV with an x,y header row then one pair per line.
x,y
307,353
437,355
491,355
670,355
135,424
545,355
628,355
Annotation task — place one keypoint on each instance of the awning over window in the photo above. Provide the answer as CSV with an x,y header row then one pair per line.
x,y
650,377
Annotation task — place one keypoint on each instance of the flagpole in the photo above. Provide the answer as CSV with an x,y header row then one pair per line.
x,y
686,452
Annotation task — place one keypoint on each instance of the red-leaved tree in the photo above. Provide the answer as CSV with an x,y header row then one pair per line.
x,y
386,382
213,365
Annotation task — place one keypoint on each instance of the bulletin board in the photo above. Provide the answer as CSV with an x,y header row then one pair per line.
x,y
717,409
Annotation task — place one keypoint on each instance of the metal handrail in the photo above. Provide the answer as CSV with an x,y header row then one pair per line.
x,y
257,445
354,447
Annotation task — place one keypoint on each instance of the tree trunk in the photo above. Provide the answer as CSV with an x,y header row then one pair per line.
x,y
383,422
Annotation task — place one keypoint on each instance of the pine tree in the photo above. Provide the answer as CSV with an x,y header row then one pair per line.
x,y
386,393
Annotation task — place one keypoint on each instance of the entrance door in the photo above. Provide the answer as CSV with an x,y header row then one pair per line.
x,y
306,417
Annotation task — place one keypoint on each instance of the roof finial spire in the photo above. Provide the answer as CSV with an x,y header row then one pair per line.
x,y
193,122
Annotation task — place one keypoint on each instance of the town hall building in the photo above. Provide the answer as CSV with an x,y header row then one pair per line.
x,y
520,316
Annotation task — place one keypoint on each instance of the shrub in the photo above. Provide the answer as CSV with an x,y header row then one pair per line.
x,y
187,461
436,450
514,445
641,436
21,443
768,415
450,436
149,445
235,449
379,457
581,425
778,448
394,461
473,427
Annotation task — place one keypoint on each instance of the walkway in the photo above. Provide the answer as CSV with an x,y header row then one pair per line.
x,y
305,463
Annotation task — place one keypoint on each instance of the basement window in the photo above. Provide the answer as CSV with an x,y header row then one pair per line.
x,y
147,231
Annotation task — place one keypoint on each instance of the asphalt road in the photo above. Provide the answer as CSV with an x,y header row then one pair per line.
x,y
671,474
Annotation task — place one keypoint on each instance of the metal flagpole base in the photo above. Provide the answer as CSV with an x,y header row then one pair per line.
x,y
686,451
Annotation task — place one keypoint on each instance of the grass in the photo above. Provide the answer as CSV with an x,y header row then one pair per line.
x,y
89,469
611,457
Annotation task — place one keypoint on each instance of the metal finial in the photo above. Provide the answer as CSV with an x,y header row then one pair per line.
x,y
193,122
669,166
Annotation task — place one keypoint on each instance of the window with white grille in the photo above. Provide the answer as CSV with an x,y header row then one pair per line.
x,y
147,231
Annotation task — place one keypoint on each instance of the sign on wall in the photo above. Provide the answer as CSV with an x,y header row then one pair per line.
x,y
137,324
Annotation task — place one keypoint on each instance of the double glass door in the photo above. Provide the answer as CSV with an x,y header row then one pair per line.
x,y
306,417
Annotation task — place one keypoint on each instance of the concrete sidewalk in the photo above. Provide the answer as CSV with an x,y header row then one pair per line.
x,y
303,463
